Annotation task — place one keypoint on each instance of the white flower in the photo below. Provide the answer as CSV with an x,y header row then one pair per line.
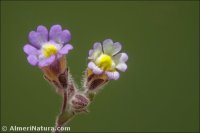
x,y
106,58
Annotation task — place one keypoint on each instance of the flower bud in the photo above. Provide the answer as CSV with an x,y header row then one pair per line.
x,y
79,103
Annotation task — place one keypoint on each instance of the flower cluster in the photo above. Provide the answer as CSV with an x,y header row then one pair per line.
x,y
48,50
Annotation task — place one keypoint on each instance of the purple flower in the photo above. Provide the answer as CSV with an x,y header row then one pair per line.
x,y
46,47
105,58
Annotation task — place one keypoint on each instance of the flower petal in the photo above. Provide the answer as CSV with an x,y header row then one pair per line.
x,y
30,50
65,36
46,62
56,34
94,68
43,32
116,48
37,38
111,48
113,75
66,49
97,45
54,29
90,52
122,67
96,52
32,59
107,46
108,42
120,58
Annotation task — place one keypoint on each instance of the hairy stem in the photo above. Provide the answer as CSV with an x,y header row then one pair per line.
x,y
64,102
64,105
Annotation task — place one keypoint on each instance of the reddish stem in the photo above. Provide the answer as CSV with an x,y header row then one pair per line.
x,y
63,110
64,101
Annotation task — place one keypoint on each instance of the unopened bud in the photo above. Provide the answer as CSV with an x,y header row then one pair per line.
x,y
79,103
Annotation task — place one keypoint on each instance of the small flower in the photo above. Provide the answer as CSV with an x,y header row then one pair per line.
x,y
105,59
47,50
46,47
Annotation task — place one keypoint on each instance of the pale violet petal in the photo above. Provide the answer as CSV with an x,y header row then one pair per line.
x,y
65,36
94,68
96,52
116,48
46,62
66,49
120,58
97,45
37,38
113,75
122,67
30,50
43,32
90,52
58,35
111,48
108,42
32,59
54,31
107,46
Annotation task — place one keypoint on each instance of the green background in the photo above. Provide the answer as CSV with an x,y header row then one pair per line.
x,y
159,92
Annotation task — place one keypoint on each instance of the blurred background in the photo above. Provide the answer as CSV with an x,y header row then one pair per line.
x,y
160,90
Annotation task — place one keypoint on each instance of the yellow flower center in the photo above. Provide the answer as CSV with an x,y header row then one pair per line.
x,y
105,62
48,50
